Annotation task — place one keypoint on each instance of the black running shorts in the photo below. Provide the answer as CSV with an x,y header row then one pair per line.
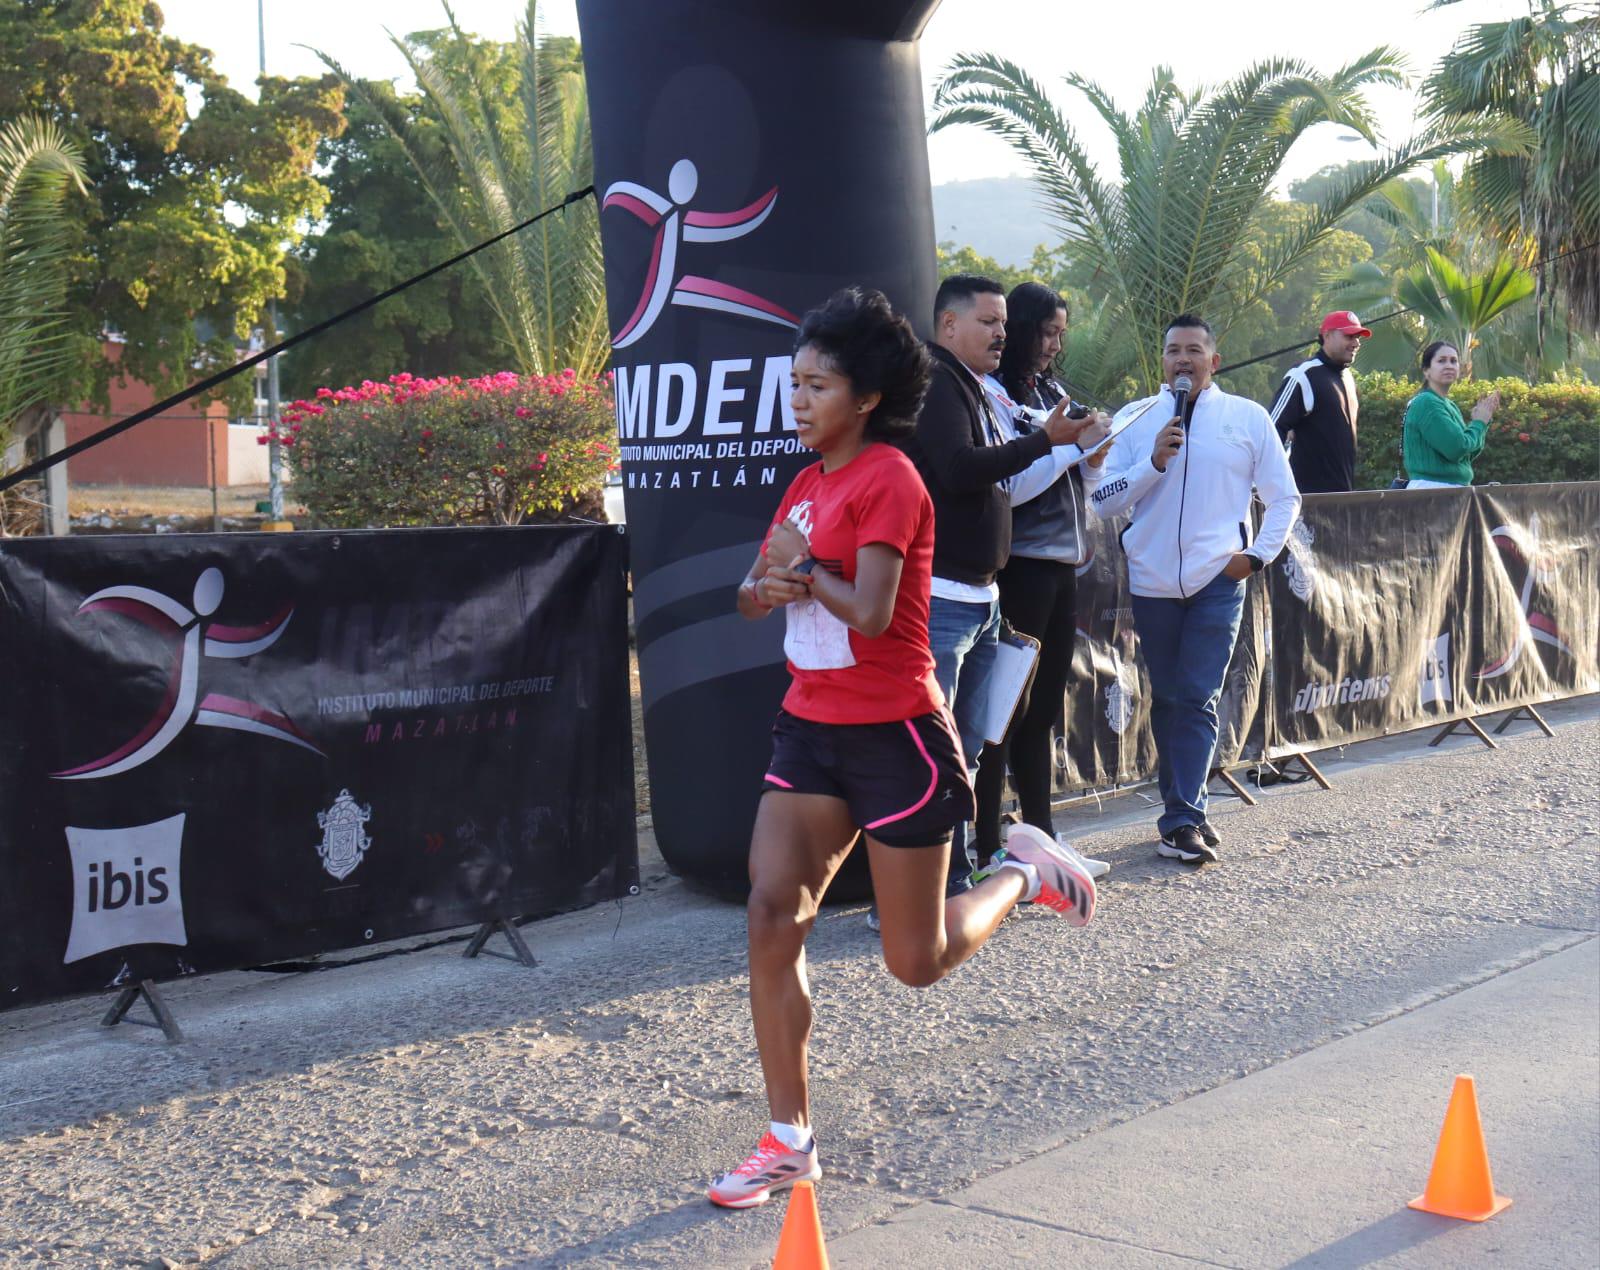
x,y
905,783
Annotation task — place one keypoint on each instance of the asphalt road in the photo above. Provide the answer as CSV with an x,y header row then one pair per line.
x,y
425,1110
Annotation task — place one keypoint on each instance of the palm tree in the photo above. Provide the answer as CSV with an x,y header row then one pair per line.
x,y
39,168
1456,306
1453,277
1196,170
1542,69
511,151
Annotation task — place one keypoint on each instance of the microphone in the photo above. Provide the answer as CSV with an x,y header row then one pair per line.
x,y
1182,386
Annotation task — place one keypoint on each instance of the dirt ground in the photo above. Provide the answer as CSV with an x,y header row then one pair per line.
x,y
123,509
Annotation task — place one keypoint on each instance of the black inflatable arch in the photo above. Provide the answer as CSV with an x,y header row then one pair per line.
x,y
750,159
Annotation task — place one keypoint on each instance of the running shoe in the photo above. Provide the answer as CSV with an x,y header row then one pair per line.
x,y
873,924
1209,834
771,1167
1064,881
1096,868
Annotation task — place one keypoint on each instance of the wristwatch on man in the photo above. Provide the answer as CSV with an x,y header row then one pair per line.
x,y
1257,564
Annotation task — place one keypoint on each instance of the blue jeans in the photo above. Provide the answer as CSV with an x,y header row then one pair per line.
x,y
1187,645
964,638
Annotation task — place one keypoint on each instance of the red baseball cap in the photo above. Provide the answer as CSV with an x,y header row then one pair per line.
x,y
1346,323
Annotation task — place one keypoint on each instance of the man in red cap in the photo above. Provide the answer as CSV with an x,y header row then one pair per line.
x,y
1316,407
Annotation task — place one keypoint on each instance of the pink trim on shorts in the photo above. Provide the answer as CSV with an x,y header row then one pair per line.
x,y
932,784
779,781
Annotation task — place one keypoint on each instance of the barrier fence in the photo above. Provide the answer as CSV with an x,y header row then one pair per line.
x,y
1390,610
224,750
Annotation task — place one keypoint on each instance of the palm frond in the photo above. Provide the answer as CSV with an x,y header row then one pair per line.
x,y
39,169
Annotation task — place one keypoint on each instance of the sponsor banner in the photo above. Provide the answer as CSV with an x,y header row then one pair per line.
x,y
722,222
220,750
1395,609
1362,604
1535,629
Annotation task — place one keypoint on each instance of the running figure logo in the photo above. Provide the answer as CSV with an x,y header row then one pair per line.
x,y
177,709
672,221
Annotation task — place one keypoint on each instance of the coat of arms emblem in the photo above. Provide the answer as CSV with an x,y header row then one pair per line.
x,y
344,841
1122,694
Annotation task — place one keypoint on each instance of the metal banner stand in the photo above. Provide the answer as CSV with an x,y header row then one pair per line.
x,y
1304,760
1518,713
519,949
1471,725
1227,778
163,1019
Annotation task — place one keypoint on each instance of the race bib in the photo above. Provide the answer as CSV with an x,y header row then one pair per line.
x,y
815,639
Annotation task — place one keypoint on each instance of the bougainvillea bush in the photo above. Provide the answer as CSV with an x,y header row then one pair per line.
x,y
1542,432
499,449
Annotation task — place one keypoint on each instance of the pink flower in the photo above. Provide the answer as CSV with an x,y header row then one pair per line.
x,y
499,445
522,412
427,433
1524,437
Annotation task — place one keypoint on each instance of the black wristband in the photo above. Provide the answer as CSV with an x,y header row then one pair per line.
x,y
1257,564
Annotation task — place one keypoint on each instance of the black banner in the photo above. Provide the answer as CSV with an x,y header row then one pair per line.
x,y
750,160
1394,609
219,750
1365,609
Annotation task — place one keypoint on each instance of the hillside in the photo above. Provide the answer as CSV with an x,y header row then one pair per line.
x,y
996,216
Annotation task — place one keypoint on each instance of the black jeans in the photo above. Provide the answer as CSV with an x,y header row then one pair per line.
x,y
1038,598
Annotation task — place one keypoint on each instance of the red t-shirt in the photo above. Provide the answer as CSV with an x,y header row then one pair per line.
x,y
841,676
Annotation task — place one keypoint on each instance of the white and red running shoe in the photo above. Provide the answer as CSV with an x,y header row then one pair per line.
x,y
771,1167
1065,883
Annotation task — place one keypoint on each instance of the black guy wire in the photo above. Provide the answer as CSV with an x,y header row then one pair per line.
x,y
205,385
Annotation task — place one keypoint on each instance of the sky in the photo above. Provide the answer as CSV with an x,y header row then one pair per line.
x,y
1203,43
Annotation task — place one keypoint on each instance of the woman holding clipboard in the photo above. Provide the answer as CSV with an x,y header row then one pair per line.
x,y
1039,584
863,742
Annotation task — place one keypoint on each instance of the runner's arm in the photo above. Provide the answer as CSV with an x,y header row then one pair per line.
x,y
867,604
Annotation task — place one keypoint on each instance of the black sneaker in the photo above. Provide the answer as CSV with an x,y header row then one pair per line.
x,y
1209,834
1185,843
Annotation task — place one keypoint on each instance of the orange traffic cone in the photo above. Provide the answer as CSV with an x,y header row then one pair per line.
x,y
800,1245
1459,1184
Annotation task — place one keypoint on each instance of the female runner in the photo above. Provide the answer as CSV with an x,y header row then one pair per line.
x,y
863,742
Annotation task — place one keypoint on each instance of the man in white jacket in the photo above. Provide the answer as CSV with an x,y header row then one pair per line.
x,y
1186,481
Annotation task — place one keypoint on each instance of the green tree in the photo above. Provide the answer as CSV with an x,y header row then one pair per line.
x,y
1196,169
1542,69
1458,306
182,241
507,155
39,170
1291,308
378,233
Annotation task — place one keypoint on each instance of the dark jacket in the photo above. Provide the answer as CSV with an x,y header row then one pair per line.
x,y
953,447
1317,402
1053,526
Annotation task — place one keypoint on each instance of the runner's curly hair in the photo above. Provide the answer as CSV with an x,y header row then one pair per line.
x,y
871,345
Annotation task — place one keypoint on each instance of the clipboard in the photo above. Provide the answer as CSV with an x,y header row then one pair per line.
x,y
1016,659
1118,430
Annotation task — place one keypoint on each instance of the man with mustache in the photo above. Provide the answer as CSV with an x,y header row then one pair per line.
x,y
960,449
1186,480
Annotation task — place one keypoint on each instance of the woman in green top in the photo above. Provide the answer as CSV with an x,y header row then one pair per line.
x,y
1438,444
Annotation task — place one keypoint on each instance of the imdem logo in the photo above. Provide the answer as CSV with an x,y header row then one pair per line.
x,y
674,224
126,887
663,402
